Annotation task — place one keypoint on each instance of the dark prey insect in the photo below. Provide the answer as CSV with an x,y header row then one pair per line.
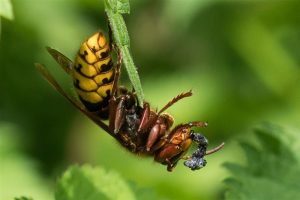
x,y
141,130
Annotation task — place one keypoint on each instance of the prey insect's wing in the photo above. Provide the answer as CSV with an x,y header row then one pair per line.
x,y
46,74
61,59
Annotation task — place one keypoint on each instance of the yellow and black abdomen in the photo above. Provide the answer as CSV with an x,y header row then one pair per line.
x,y
93,74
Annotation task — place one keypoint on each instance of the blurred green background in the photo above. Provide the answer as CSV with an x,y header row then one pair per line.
x,y
241,58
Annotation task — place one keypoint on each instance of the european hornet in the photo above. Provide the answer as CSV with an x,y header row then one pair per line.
x,y
139,129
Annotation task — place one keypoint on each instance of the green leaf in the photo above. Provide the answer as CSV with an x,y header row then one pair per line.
x,y
23,198
6,9
114,9
272,171
145,193
90,183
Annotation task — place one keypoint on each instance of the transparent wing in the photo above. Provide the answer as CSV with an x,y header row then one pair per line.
x,y
46,74
61,59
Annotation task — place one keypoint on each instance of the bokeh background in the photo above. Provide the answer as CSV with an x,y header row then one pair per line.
x,y
241,58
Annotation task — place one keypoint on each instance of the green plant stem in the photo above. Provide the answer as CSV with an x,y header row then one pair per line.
x,y
114,10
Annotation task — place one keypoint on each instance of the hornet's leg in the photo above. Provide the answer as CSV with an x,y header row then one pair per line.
x,y
117,74
119,61
113,102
